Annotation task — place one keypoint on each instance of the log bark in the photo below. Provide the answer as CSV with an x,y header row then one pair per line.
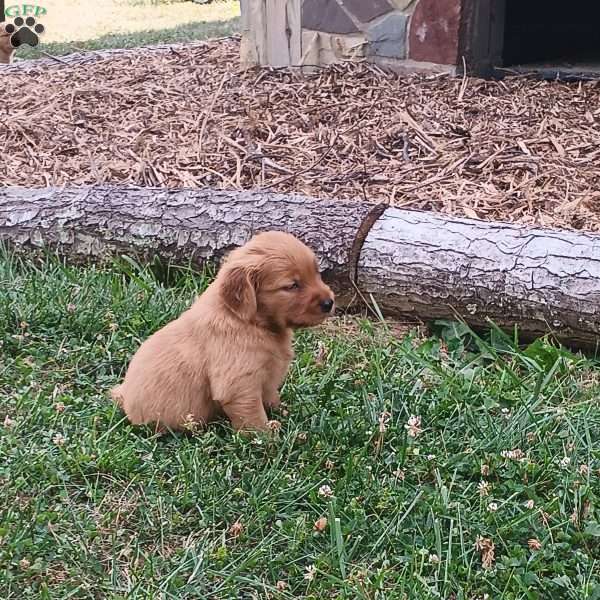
x,y
425,265
435,267
181,225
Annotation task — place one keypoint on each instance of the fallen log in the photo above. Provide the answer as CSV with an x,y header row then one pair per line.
x,y
426,265
181,226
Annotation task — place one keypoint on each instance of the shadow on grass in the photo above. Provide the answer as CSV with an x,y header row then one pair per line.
x,y
187,32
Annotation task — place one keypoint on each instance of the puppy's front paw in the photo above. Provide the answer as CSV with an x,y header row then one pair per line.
x,y
272,401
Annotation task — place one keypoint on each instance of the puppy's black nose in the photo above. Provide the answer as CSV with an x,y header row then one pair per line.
x,y
327,305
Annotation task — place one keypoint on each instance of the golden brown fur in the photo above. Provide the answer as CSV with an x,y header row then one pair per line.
x,y
6,49
229,353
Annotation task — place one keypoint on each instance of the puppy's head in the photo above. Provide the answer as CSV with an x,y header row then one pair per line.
x,y
274,280
6,48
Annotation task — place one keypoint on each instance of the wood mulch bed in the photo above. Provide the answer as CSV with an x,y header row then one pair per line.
x,y
517,150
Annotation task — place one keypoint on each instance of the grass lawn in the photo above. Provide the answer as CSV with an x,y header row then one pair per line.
x,y
494,494
73,25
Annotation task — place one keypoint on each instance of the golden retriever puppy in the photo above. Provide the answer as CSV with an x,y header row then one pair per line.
x,y
229,353
7,50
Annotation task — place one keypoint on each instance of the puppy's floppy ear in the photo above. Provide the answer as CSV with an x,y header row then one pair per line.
x,y
238,293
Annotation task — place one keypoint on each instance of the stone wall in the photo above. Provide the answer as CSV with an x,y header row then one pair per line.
x,y
321,32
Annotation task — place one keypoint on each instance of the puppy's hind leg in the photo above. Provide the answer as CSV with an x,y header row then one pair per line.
x,y
117,396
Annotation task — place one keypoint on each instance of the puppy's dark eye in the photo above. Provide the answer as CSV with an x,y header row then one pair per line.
x,y
294,286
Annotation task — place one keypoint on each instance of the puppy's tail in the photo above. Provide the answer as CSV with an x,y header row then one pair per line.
x,y
117,396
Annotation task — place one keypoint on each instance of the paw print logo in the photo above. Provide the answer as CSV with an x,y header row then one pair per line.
x,y
24,31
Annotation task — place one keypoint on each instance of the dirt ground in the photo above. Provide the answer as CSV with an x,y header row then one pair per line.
x,y
517,150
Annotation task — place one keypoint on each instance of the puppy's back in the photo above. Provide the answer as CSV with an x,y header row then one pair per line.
x,y
166,381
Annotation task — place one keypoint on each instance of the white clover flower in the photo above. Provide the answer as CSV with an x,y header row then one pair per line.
x,y
59,439
311,572
413,426
484,488
325,491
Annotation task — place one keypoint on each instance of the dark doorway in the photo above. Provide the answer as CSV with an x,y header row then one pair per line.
x,y
547,32
547,37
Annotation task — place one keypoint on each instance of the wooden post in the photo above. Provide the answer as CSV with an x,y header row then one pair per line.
x,y
253,33
482,36
271,32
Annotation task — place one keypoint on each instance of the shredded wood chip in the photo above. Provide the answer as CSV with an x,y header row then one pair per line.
x,y
516,150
